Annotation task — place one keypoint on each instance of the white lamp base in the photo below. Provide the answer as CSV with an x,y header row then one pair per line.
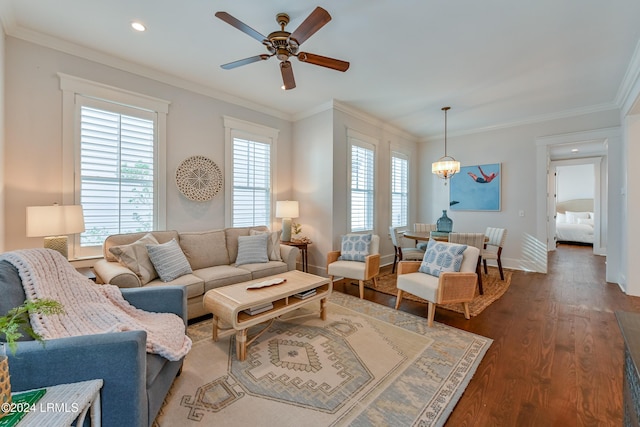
x,y
286,230
57,243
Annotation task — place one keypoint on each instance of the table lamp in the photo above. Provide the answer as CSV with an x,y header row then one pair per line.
x,y
286,210
54,223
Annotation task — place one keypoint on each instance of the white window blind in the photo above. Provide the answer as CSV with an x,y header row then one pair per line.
x,y
362,187
116,172
399,190
251,183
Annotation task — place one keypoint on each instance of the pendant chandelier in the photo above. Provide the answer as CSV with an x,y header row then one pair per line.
x,y
446,166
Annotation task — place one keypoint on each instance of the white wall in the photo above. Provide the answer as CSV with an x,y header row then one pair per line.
x,y
515,149
2,140
34,145
575,182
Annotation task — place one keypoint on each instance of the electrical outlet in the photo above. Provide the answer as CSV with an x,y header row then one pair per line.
x,y
521,213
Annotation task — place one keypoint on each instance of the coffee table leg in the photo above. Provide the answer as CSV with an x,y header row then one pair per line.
x,y
241,344
214,334
323,309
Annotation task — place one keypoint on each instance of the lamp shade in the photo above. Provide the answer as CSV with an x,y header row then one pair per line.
x,y
287,209
54,220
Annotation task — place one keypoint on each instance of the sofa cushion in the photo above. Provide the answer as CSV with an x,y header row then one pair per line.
x,y
221,275
252,249
232,234
273,243
265,269
169,260
135,257
205,249
441,257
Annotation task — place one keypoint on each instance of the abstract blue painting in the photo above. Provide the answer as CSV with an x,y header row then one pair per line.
x,y
476,188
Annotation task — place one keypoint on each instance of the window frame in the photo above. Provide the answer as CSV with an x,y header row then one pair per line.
x,y
396,154
75,91
241,129
355,138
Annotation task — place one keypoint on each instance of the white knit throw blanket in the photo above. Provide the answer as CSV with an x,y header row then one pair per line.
x,y
91,308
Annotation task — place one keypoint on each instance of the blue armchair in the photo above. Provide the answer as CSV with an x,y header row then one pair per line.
x,y
135,382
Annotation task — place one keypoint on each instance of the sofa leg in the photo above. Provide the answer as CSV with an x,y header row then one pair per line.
x,y
399,298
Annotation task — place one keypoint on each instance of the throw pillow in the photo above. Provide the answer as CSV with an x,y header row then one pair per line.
x,y
273,243
441,257
252,249
169,260
355,247
135,257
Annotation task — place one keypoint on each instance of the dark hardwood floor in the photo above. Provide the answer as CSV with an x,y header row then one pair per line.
x,y
557,354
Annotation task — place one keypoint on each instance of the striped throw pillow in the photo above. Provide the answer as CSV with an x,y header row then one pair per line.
x,y
252,249
169,260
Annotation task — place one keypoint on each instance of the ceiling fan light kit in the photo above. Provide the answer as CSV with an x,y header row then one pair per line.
x,y
446,166
283,44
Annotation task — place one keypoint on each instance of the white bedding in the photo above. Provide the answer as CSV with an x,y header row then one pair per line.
x,y
574,227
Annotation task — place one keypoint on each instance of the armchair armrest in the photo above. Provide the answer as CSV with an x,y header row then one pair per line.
x,y
456,287
117,358
117,274
371,266
164,299
406,267
289,255
332,257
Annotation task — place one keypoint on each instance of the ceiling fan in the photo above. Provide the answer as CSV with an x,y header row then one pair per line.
x,y
283,44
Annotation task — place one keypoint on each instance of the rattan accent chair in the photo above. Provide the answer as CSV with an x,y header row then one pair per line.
x,y
449,288
493,249
360,271
477,241
403,252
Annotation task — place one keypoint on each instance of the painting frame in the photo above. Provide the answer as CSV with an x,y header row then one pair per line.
x,y
477,188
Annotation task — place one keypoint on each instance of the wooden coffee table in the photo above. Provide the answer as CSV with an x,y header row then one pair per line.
x,y
228,302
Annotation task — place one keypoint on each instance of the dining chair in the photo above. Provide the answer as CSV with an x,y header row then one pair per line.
x,y
493,249
364,268
402,253
424,228
477,241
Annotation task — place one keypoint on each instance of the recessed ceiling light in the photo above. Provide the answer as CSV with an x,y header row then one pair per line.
x,y
138,26
574,150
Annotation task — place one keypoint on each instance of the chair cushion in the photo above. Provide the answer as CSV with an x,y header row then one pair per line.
x,y
135,257
355,247
441,257
252,249
169,260
419,284
351,269
412,254
273,243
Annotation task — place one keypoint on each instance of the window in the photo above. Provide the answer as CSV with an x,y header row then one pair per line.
x,y
113,160
399,189
249,179
116,172
362,185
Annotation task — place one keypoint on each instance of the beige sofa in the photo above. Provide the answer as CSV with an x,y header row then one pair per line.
x,y
211,254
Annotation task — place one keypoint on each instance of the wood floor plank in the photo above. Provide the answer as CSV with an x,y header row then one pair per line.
x,y
556,359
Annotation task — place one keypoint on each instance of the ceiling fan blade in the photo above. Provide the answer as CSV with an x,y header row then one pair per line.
x,y
316,20
234,22
245,61
323,61
287,75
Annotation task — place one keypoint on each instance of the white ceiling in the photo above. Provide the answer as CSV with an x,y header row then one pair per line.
x,y
495,62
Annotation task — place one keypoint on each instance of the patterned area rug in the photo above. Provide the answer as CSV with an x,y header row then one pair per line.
x,y
367,364
492,286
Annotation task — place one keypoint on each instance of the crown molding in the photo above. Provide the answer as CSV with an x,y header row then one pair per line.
x,y
109,60
629,89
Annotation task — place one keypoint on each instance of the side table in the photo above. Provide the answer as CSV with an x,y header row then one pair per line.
x,y
87,272
303,252
63,404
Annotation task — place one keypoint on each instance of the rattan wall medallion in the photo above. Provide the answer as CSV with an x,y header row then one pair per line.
x,y
199,178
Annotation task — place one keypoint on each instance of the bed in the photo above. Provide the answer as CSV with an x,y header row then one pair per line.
x,y
574,221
